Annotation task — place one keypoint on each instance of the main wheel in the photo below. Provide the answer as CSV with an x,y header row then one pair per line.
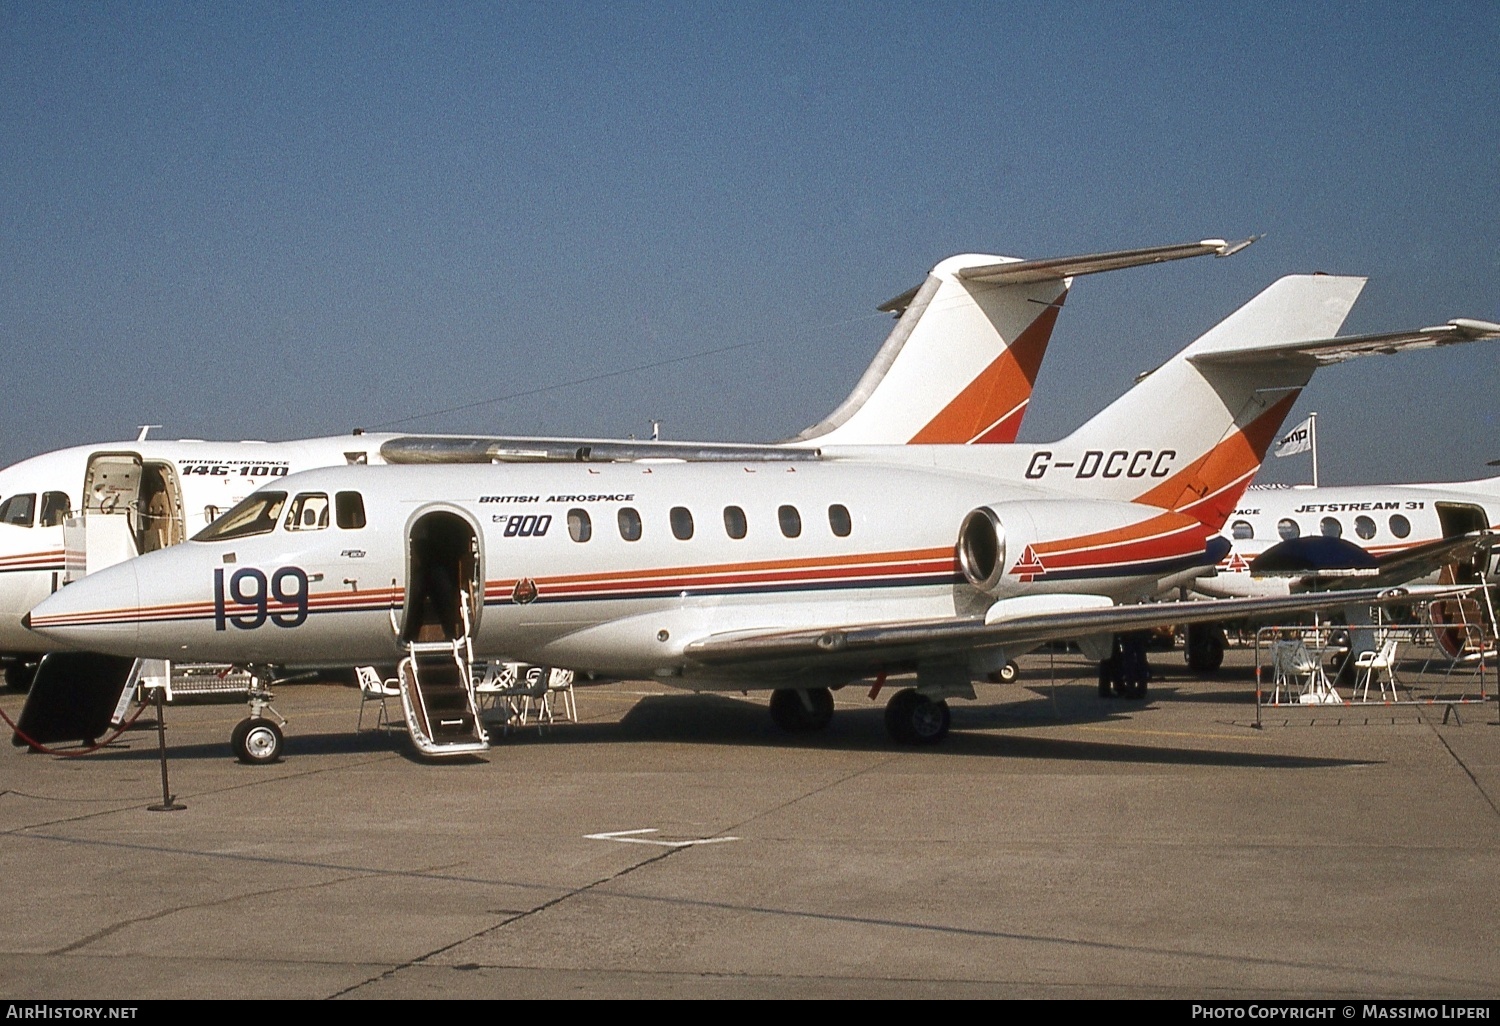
x,y
256,740
792,715
1205,648
912,718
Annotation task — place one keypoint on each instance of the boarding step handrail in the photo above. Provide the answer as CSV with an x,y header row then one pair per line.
x,y
441,715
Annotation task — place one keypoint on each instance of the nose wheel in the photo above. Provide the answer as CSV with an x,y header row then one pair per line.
x,y
256,740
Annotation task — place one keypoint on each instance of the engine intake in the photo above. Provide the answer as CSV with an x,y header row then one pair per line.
x,y
981,549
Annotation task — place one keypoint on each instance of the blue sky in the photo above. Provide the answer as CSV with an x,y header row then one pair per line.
x,y
278,220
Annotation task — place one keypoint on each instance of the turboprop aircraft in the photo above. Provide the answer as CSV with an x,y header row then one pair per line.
x,y
1291,539
797,571
1410,530
958,367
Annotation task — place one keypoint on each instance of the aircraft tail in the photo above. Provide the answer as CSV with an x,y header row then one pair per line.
x,y
959,366
1192,433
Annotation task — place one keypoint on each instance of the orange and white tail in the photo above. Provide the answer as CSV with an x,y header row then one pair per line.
x,y
960,364
1192,433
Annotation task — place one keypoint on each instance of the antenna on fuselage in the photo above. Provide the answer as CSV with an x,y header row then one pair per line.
x,y
145,428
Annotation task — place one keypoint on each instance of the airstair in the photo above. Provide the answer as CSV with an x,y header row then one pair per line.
x,y
437,694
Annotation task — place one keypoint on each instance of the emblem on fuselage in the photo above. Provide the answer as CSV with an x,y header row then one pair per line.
x,y
524,591
1029,566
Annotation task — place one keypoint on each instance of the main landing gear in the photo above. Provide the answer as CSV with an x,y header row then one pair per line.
x,y
912,718
799,710
1203,647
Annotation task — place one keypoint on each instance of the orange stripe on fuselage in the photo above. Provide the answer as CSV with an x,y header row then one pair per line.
x,y
1171,534
989,408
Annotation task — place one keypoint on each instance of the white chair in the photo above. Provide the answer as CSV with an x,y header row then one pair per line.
x,y
497,692
508,693
535,692
1368,664
560,683
373,689
1295,667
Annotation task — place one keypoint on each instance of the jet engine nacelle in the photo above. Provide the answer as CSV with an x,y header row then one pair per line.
x,y
1008,547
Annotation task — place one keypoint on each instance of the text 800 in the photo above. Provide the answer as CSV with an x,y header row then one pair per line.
x,y
528,526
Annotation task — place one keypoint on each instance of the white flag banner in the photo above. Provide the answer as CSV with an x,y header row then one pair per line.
x,y
1298,439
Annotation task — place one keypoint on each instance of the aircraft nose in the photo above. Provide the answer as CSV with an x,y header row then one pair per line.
x,y
100,613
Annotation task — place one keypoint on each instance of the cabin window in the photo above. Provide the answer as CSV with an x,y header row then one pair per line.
x,y
1400,526
1331,528
308,512
1241,530
790,520
1288,529
17,509
630,524
580,527
1364,527
682,523
255,514
839,520
734,522
349,510
56,508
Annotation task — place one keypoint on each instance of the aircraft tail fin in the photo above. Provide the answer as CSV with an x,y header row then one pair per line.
x,y
959,366
1193,432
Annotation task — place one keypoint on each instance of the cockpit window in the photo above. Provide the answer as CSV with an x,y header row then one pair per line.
x,y
17,509
56,508
309,512
255,514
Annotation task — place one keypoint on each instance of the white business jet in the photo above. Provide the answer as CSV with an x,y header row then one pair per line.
x,y
798,571
958,367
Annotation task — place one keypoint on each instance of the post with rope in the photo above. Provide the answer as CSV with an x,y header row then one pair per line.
x,y
169,802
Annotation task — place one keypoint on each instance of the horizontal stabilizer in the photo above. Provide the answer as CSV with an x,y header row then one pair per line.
x,y
1056,268
1322,352
1016,272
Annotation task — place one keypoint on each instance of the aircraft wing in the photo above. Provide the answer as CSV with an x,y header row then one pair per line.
x,y
870,644
1336,350
1420,560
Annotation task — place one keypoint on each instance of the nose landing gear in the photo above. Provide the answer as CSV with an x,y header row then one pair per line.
x,y
256,740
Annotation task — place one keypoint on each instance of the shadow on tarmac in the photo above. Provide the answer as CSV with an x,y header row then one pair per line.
x,y
979,730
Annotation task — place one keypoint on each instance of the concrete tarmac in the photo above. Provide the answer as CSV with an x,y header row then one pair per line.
x,y
1056,845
